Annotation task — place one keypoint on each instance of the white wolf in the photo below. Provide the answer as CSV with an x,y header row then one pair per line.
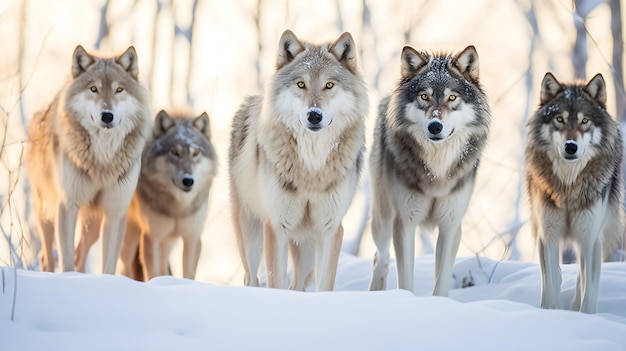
x,y
295,158
84,155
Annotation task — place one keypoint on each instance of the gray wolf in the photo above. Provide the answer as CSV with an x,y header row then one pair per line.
x,y
171,200
294,159
428,140
574,180
84,155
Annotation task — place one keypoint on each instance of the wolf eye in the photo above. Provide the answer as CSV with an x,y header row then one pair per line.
x,y
584,120
93,89
195,152
452,97
300,84
330,85
119,90
424,97
175,152
559,119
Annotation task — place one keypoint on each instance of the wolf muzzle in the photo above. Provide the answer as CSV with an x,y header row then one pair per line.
x,y
107,118
571,150
315,120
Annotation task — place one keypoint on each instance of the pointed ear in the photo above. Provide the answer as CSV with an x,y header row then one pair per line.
x,y
467,63
597,89
288,48
162,124
128,61
81,60
202,124
549,88
412,61
344,49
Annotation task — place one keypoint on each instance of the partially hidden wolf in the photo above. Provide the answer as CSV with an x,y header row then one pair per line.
x,y
84,155
574,180
295,157
428,140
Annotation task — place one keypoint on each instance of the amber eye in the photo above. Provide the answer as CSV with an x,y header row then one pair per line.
x,y
559,119
196,152
175,152
93,89
452,97
330,85
584,120
119,90
424,97
300,84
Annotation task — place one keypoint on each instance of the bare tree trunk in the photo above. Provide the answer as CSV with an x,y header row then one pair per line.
x,y
103,29
579,56
618,51
259,38
190,65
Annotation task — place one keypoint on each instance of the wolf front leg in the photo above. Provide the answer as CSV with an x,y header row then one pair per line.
x,y
327,251
381,233
275,244
67,214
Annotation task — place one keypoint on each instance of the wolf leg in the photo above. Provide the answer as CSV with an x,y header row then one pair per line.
x,y
447,247
327,252
249,232
275,256
130,247
46,232
404,245
192,246
90,230
67,214
303,255
550,273
589,277
381,233
150,256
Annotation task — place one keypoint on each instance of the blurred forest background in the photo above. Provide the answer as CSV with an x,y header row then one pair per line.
x,y
208,55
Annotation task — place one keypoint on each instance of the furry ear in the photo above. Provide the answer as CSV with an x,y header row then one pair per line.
x,y
81,60
162,124
128,61
412,61
467,63
549,88
202,124
288,48
344,49
597,89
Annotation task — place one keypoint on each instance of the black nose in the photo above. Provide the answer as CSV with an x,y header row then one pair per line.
x,y
435,127
571,147
187,181
314,117
107,117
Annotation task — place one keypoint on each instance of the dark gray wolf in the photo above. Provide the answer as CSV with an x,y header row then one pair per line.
x,y
574,179
428,140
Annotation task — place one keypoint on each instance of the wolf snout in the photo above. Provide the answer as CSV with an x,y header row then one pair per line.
x,y
435,127
187,182
107,118
314,117
315,120
571,150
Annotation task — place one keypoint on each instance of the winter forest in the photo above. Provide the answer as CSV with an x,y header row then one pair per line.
x,y
208,56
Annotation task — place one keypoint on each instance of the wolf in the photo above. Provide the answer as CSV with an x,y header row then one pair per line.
x,y
573,166
84,155
294,160
428,140
171,200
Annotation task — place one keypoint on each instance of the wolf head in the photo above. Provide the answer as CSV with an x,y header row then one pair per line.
x,y
105,91
441,92
181,151
317,85
572,117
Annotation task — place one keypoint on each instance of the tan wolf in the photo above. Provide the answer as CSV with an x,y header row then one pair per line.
x,y
574,177
84,155
172,197
295,157
428,141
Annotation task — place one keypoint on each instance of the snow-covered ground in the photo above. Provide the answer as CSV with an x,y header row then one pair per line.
x,y
72,311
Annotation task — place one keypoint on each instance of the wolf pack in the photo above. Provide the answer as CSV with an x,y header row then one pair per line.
x,y
102,167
